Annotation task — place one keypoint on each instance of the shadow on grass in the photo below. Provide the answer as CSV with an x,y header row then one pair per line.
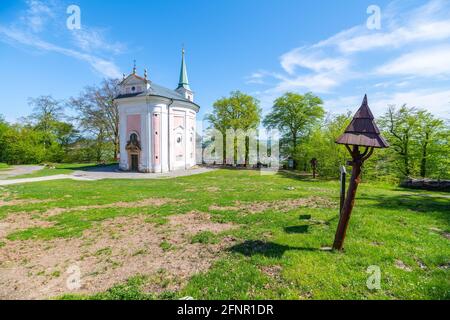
x,y
108,167
268,249
415,202
303,176
297,229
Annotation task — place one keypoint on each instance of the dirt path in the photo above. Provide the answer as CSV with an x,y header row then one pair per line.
x,y
89,175
18,171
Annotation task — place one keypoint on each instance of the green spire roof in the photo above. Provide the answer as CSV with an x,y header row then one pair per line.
x,y
184,82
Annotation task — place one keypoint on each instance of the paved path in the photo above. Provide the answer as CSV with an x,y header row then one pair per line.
x,y
18,171
109,172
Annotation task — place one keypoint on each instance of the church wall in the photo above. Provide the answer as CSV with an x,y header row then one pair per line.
x,y
158,129
134,125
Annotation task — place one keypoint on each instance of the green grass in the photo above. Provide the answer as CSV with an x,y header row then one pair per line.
x,y
205,237
276,255
59,168
4,166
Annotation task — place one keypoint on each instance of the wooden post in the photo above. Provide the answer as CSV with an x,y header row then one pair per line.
x,y
358,160
343,180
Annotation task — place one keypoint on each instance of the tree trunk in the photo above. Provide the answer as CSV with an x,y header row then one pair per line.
x,y
247,151
294,143
423,162
224,149
116,146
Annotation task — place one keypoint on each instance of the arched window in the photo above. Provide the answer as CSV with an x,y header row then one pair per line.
x,y
133,138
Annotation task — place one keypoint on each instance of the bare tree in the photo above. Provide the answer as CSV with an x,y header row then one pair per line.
x,y
98,114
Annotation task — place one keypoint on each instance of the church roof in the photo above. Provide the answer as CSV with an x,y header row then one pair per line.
x,y
184,82
158,91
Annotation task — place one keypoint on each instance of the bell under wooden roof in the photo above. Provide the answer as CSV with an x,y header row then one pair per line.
x,y
363,131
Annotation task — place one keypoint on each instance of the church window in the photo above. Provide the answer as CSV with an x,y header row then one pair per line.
x,y
133,89
134,138
178,139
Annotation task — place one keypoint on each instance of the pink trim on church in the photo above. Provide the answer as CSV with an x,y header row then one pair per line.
x,y
156,139
134,124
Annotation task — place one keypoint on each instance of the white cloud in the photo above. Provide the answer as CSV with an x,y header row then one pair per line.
x,y
37,15
93,40
411,47
427,62
88,44
314,61
434,101
427,23
104,67
342,104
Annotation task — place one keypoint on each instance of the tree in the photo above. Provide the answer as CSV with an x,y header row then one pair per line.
x,y
320,143
98,115
47,111
294,115
429,132
399,126
239,111
219,121
4,127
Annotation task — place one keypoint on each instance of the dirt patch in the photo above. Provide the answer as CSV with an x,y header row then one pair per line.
x,y
226,208
109,253
136,204
446,235
401,265
443,233
21,221
272,271
420,263
281,205
213,189
194,222
18,202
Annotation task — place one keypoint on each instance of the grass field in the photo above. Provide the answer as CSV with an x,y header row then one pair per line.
x,y
221,235
4,166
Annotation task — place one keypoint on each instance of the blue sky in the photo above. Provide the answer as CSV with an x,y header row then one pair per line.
x,y
263,47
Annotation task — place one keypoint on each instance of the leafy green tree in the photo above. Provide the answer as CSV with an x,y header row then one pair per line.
x,y
294,115
399,127
47,111
4,126
219,120
429,134
23,145
320,144
239,111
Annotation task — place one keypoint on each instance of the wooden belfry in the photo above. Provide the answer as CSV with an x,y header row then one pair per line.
x,y
361,132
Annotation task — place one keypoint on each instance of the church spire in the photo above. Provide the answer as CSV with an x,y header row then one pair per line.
x,y
184,82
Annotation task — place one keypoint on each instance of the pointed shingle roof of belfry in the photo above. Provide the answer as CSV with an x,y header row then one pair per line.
x,y
362,130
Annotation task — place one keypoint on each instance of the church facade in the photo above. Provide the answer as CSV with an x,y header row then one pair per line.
x,y
157,125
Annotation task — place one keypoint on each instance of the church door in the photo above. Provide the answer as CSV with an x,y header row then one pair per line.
x,y
134,162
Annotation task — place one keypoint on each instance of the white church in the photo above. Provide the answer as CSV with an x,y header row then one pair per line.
x,y
157,125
